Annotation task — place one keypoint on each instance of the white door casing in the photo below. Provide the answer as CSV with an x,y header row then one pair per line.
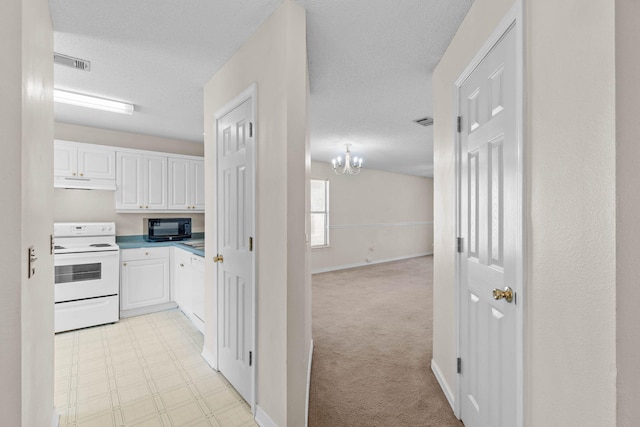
x,y
235,227
489,200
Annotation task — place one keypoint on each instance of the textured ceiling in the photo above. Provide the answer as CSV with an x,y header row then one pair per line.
x,y
370,64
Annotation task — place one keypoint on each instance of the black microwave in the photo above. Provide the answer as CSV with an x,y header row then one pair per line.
x,y
163,229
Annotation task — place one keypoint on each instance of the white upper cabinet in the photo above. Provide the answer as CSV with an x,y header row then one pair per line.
x,y
186,184
198,185
65,159
88,166
142,182
155,182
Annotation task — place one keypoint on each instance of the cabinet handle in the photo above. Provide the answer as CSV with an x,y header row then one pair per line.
x,y
141,207
74,174
124,264
181,265
81,174
146,253
146,207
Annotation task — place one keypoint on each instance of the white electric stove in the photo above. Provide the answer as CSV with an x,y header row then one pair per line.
x,y
86,260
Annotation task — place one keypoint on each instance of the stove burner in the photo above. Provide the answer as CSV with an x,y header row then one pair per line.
x,y
100,245
59,247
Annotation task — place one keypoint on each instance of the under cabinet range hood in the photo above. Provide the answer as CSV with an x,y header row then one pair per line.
x,y
83,183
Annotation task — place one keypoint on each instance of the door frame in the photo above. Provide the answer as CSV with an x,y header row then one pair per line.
x,y
514,18
250,93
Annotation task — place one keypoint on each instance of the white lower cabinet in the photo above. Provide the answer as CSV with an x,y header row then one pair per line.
x,y
144,279
188,285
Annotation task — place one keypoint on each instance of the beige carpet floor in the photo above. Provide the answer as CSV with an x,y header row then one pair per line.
x,y
372,331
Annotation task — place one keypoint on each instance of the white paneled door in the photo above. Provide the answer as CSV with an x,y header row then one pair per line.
x,y
235,207
489,227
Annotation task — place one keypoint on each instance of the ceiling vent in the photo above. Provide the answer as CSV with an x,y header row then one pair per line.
x,y
425,121
70,61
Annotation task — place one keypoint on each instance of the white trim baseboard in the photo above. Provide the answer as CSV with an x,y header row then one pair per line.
x,y
443,384
209,358
306,409
362,264
263,419
55,418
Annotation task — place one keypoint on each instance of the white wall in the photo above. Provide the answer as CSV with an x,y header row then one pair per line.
x,y
98,205
628,211
26,108
569,212
571,145
275,59
375,215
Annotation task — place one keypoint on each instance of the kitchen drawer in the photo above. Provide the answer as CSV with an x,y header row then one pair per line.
x,y
197,263
144,253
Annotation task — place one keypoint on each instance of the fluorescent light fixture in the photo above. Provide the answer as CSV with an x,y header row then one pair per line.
x,y
80,100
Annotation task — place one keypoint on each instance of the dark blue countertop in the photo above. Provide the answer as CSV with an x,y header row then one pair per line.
x,y
133,242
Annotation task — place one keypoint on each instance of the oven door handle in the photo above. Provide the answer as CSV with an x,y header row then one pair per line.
x,y
91,253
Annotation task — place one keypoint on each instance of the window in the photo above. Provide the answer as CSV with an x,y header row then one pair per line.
x,y
319,213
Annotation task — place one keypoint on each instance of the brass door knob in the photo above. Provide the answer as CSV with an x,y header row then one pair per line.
x,y
507,294
218,258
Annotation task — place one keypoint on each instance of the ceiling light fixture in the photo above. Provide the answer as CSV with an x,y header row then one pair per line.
x,y
350,166
87,101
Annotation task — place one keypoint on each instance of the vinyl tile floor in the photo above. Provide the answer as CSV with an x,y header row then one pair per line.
x,y
142,371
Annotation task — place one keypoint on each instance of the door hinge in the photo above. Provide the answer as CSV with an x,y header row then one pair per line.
x,y
250,358
460,245
459,365
459,124
250,129
51,244
250,244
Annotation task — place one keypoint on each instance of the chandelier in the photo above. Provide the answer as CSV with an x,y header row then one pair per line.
x,y
350,166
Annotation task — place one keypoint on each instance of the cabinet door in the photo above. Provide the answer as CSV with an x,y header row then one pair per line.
x,y
197,184
181,275
144,283
197,286
179,183
96,163
129,192
155,182
65,159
